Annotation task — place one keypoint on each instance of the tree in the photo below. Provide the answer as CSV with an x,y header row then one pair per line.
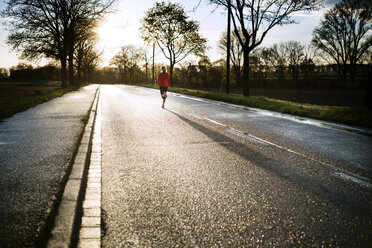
x,y
307,65
176,35
35,30
80,18
204,65
51,28
256,18
86,58
147,59
277,57
367,59
295,54
121,61
345,34
3,73
236,54
127,62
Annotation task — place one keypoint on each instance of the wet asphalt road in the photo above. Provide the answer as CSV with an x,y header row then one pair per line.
x,y
36,148
205,174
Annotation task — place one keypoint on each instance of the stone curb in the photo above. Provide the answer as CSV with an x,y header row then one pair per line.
x,y
90,228
67,221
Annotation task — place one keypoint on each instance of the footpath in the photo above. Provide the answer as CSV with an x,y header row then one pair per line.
x,y
43,161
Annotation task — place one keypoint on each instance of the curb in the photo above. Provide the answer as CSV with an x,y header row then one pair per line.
x,y
90,228
67,221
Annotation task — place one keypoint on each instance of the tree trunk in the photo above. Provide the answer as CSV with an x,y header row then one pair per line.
x,y
246,73
237,78
125,76
79,70
63,71
205,77
228,51
71,64
368,94
85,76
147,75
171,72
153,64
352,73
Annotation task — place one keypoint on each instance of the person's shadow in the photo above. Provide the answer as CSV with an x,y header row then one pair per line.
x,y
276,166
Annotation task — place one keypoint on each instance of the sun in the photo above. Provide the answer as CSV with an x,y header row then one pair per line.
x,y
114,33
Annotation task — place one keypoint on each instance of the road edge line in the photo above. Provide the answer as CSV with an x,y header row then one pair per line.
x,y
67,220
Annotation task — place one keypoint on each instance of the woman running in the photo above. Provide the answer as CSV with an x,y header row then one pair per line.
x,y
164,83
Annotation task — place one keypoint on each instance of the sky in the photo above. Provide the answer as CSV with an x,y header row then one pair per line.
x,y
122,28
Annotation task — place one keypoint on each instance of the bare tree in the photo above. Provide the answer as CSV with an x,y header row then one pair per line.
x,y
86,58
204,65
277,55
345,34
295,55
35,30
256,18
80,17
176,35
236,54
121,61
146,59
127,62
367,59
308,62
51,28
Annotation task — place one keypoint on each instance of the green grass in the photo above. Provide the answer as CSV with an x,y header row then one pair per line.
x,y
358,116
16,104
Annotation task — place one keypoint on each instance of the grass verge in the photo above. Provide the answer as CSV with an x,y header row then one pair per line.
x,y
20,103
358,116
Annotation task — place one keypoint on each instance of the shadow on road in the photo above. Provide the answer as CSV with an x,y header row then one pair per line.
x,y
327,191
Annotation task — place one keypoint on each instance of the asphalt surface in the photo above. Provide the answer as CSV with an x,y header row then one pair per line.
x,y
36,148
205,174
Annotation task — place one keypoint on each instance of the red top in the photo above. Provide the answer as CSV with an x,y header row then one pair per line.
x,y
163,79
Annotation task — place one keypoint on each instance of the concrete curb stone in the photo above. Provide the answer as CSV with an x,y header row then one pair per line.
x,y
69,211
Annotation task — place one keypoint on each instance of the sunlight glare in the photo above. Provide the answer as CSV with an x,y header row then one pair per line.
x,y
112,34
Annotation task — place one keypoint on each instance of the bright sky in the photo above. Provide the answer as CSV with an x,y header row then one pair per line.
x,y
122,28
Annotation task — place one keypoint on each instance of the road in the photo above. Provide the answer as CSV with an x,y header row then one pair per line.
x,y
200,173
36,148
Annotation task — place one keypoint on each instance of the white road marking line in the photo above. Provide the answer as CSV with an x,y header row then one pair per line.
x,y
338,172
348,177
304,120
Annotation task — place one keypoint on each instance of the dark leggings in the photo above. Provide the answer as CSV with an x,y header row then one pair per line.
x,y
162,90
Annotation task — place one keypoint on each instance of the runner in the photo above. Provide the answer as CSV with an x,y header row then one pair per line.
x,y
164,83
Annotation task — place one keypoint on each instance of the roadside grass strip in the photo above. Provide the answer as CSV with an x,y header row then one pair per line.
x,y
358,116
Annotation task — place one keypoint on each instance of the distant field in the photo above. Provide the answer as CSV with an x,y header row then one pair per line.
x,y
19,96
11,90
320,97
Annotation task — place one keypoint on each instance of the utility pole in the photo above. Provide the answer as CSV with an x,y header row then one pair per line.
x,y
153,63
228,47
